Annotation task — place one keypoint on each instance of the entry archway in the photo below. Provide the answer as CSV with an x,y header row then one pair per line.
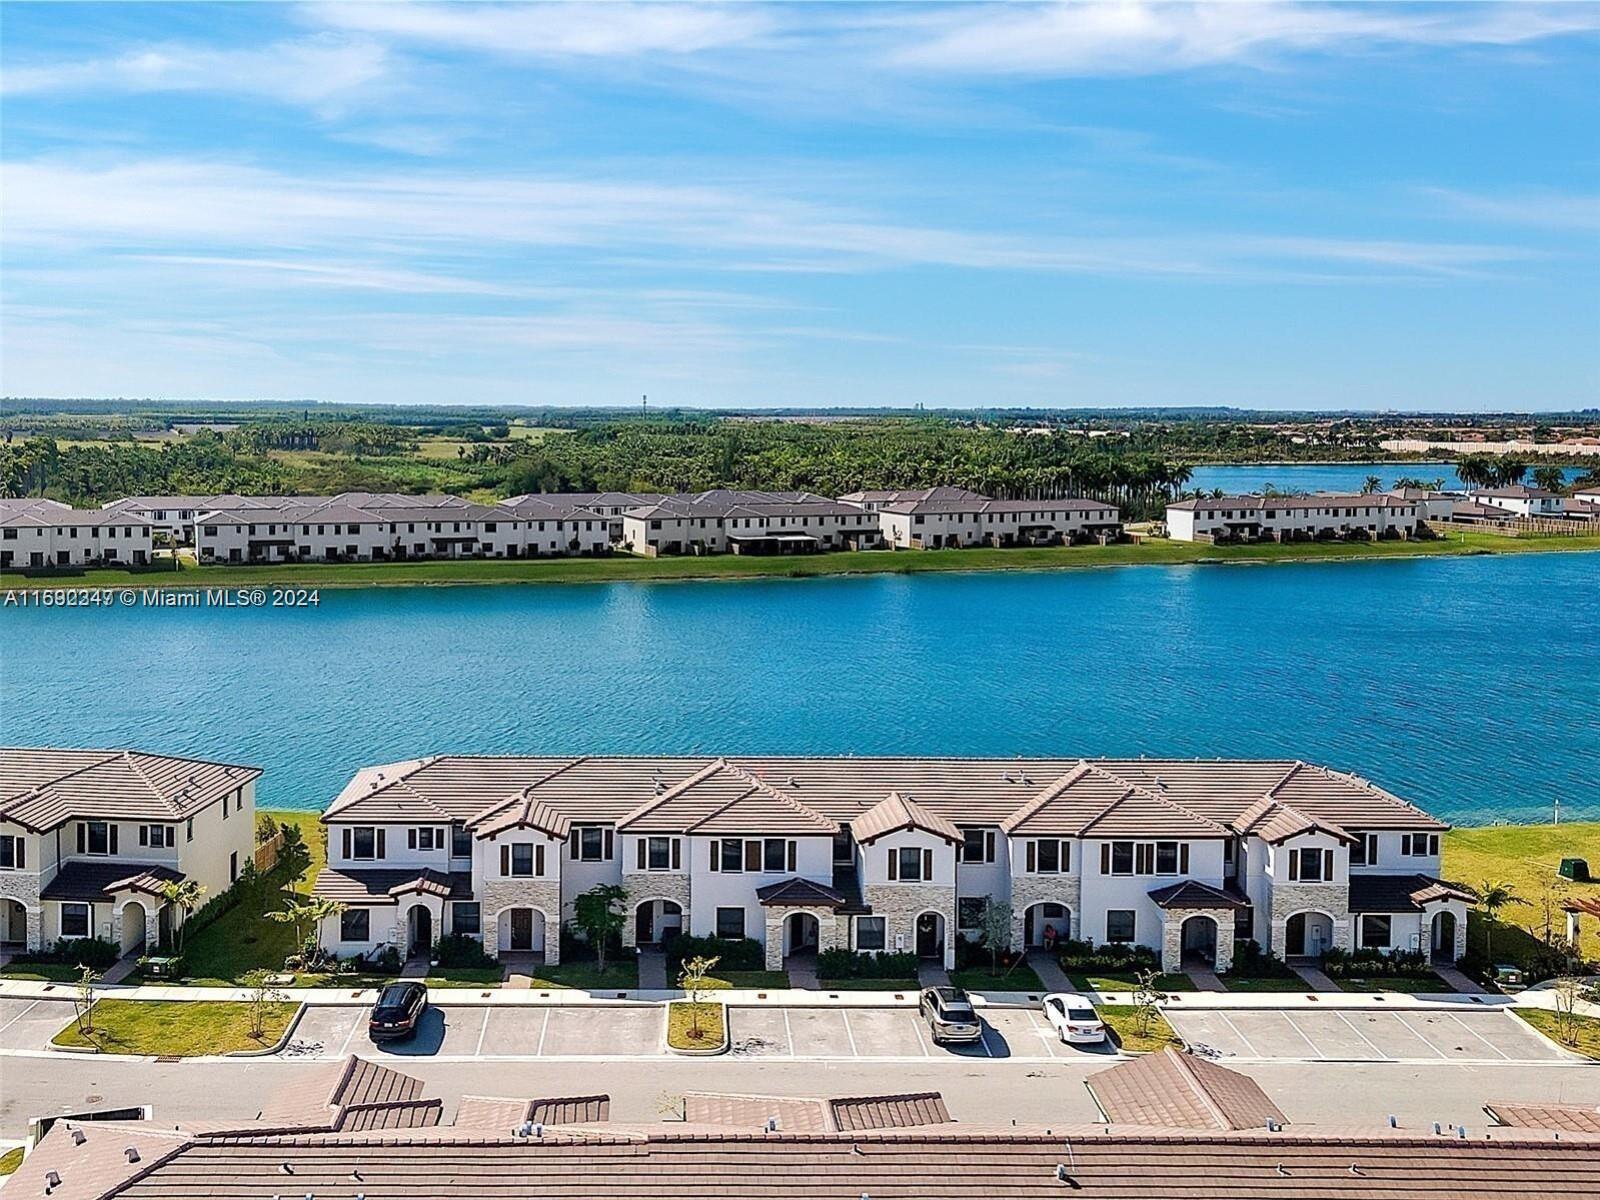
x,y
1200,939
419,930
1307,935
1046,915
801,933
133,928
930,935
1442,936
13,923
520,930
657,921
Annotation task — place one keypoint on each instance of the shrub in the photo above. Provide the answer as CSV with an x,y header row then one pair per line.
x,y
1082,956
1251,961
87,952
1375,964
575,947
461,950
733,954
387,960
849,964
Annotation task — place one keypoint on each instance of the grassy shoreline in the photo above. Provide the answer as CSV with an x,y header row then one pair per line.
x,y
626,568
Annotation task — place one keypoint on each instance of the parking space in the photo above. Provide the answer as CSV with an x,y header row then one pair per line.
x,y
1360,1035
325,1032
30,1024
891,1033
583,1032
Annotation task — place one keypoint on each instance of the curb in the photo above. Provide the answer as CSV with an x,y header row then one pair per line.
x,y
697,1052
288,1032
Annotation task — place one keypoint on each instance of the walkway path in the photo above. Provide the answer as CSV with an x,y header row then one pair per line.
x,y
415,967
652,969
1049,971
1204,978
802,970
121,969
1456,979
519,969
1314,977
931,973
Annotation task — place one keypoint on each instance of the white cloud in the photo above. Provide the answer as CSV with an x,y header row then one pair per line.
x,y
315,72
1540,209
1095,39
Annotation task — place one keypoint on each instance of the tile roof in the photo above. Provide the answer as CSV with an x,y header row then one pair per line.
x,y
801,892
896,812
523,810
888,1112
1191,893
1402,893
1568,1118
352,1095
1175,1090
42,788
793,1114
1092,801
382,886
79,880
499,1115
1273,821
723,798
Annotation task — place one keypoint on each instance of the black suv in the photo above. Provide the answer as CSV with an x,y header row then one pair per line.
x,y
949,1015
399,1008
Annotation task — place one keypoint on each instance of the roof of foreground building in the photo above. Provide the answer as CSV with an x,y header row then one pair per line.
x,y
42,787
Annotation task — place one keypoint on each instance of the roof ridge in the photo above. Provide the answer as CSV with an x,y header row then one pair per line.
x,y
777,793
1198,1087
1157,797
130,756
683,785
1051,791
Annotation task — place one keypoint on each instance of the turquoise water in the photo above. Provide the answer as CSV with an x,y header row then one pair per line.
x,y
1468,685
1323,477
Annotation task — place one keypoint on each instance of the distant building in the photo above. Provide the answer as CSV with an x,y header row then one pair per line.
x,y
747,522
937,522
1521,501
39,534
1295,518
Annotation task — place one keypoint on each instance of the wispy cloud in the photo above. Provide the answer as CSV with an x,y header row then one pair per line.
x,y
1540,209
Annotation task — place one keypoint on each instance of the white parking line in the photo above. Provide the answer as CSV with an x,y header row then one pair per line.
x,y
788,1033
921,1041
1248,1043
349,1037
850,1033
20,1015
1480,1037
543,1029
1046,1035
1304,1037
1414,1033
484,1032
983,1036
1361,1035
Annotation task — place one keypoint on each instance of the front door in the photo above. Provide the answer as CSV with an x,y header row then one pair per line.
x,y
522,929
421,930
928,936
644,925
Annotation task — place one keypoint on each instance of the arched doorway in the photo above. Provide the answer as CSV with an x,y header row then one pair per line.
x,y
1039,917
1442,936
1200,940
800,934
132,927
419,930
521,929
13,923
1307,935
930,935
657,921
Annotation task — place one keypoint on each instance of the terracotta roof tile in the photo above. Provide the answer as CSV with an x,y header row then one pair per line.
x,y
1569,1118
1175,1090
896,812
41,788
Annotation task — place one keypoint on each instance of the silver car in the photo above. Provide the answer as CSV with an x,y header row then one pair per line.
x,y
950,1015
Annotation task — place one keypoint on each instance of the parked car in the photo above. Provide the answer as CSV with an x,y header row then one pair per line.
x,y
950,1015
1073,1018
1508,977
398,1011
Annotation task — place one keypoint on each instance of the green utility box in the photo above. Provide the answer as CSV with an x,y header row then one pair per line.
x,y
1576,869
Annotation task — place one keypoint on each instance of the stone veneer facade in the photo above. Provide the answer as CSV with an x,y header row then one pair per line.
x,y
1172,937
23,887
828,925
902,903
497,895
653,885
1331,899
1028,890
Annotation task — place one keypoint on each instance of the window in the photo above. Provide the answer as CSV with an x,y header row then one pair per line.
x,y
13,852
1119,925
522,858
233,867
777,855
970,910
1049,856
363,841
355,925
910,865
1310,865
591,843
460,842
425,837
870,933
224,806
977,845
188,830
1375,932
1121,857
731,852
730,922
1419,845
97,837
157,836
466,917
74,920
1167,858
659,854
1364,851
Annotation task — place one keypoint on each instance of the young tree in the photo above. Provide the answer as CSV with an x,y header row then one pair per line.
x,y
692,979
263,995
185,897
1568,991
598,912
83,1000
995,926
311,912
1492,897
1147,1000
294,856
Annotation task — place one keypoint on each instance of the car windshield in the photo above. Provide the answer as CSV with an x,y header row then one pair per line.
x,y
393,996
1081,1014
956,1008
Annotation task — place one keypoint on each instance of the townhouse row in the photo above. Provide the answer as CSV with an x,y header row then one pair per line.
x,y
898,855
37,534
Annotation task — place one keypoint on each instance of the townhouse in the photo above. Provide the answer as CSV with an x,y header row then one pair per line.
x,y
938,522
88,839
888,854
1293,518
37,534
1522,501
608,505
174,516
726,520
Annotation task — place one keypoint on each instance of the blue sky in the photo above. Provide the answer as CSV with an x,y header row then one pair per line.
x,y
1275,206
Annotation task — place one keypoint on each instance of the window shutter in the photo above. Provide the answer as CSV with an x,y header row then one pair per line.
x,y
1294,866
22,852
677,853
1183,858
505,860
716,855
572,843
144,835
1327,866
172,837
411,838
538,860
346,841
611,849
82,835
1033,857
382,839
752,856
1105,858
640,856
894,866
927,865
113,836
988,846
438,838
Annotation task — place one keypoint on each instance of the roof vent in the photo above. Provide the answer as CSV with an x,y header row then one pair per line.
x,y
792,782
52,1179
79,1137
538,1129
286,1168
523,1130
772,1124
132,1154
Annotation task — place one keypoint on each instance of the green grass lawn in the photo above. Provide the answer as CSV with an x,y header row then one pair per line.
x,y
10,1161
1266,983
1395,983
465,977
42,972
1122,1020
627,567
1587,1030
172,1027
620,975
749,979
1526,857
1126,981
910,986
681,1015
1021,978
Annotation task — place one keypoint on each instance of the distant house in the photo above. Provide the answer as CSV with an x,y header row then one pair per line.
x,y
1295,518
943,522
38,534
1521,501
728,520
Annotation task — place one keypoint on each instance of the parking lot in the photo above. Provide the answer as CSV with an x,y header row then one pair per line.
x,y
891,1033
30,1024
1421,1035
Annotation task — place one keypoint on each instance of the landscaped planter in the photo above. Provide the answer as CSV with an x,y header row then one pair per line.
x,y
715,1043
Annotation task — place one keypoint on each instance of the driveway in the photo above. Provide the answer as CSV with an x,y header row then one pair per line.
x,y
1415,1036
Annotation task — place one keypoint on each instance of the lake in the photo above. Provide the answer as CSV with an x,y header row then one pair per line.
x,y
1324,477
1468,685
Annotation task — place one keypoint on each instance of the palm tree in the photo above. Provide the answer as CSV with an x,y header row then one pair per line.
x,y
1492,897
1371,485
1551,479
185,895
1508,471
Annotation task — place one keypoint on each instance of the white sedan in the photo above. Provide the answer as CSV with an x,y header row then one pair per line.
x,y
1073,1018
